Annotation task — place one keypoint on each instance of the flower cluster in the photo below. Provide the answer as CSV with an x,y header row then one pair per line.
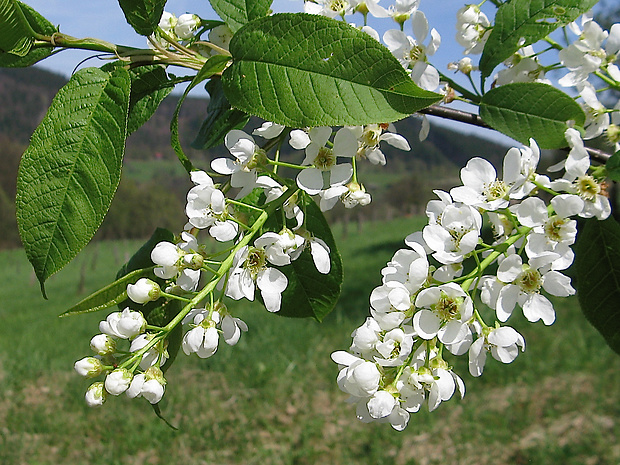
x,y
121,367
425,304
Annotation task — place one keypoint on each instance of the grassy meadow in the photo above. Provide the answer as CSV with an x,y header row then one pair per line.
x,y
272,399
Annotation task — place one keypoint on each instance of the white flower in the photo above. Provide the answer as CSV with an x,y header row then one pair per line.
x,y
241,170
586,55
123,325
155,355
464,65
351,195
409,267
186,26
444,313
595,203
395,346
523,66
381,404
280,248
365,338
167,22
143,291
473,29
481,188
370,136
519,283
95,394
323,159
250,270
456,235
550,238
201,341
232,328
503,343
399,11
578,161
269,130
206,208
412,53
89,367
118,381
103,344
597,116
329,8
175,262
445,382
150,385
357,377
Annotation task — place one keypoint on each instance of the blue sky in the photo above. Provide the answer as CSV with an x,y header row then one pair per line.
x,y
104,19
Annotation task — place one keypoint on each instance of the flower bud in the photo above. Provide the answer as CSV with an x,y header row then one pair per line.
x,y
186,26
135,388
154,385
131,324
123,325
89,367
143,291
103,344
95,395
118,381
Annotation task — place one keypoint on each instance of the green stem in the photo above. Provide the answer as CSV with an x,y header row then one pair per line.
x,y
210,287
466,93
174,297
471,277
287,165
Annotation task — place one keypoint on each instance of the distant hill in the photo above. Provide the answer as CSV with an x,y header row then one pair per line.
x,y
27,93
407,179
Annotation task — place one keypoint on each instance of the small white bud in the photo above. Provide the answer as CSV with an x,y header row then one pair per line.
x,y
118,381
186,26
103,344
89,367
95,395
143,291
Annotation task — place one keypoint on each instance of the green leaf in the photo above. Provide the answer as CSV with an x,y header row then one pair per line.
x,y
310,293
16,34
221,118
529,20
597,260
304,70
214,65
143,15
523,110
70,172
613,167
40,25
113,294
149,87
236,13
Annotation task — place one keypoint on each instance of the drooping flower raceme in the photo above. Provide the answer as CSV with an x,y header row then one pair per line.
x,y
396,362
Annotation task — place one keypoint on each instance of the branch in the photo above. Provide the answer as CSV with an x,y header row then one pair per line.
x,y
471,118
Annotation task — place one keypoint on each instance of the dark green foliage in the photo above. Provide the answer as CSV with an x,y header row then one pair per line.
x,y
597,262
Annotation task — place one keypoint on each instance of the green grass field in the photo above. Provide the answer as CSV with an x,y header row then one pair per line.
x,y
272,399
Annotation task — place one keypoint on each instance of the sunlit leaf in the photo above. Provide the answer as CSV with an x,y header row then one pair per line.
x,y
70,172
304,70
531,110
